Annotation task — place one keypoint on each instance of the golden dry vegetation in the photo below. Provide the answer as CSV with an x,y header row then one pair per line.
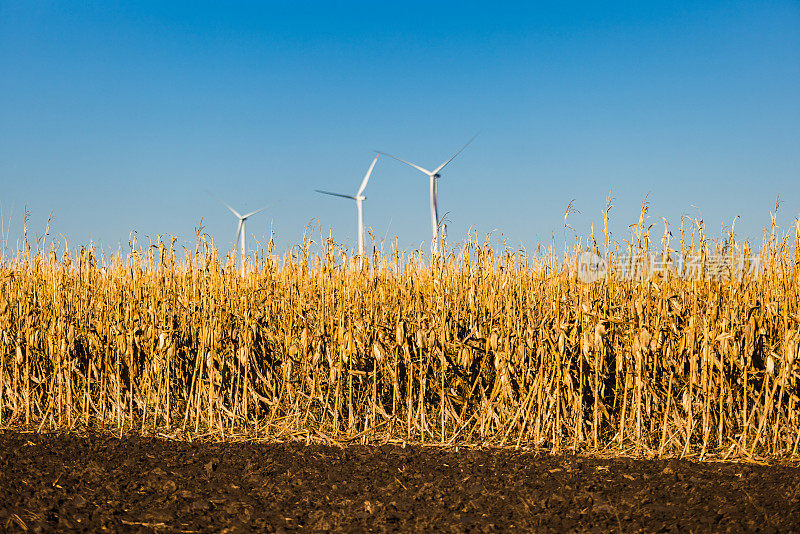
x,y
483,347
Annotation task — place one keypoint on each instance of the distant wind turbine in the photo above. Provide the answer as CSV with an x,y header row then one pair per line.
x,y
359,206
240,233
434,176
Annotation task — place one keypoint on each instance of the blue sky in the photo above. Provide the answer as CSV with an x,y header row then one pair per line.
x,y
119,117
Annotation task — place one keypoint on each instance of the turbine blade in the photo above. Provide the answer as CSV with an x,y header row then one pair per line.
x,y
224,204
420,169
334,194
238,233
440,167
256,211
366,176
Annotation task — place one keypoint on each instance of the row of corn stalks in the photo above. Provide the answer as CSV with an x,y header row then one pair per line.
x,y
481,347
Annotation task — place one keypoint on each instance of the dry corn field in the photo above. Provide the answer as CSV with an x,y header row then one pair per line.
x,y
483,347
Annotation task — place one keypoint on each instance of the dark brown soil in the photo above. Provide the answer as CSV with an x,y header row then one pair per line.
x,y
97,483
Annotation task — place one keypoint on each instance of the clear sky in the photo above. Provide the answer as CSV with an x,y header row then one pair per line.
x,y
117,117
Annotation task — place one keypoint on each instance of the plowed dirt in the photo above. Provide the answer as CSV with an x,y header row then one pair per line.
x,y
97,483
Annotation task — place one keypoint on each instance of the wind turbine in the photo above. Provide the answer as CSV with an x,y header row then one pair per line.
x,y
434,176
359,206
240,234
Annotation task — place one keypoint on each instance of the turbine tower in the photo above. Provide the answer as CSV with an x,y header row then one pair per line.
x,y
359,206
434,176
240,234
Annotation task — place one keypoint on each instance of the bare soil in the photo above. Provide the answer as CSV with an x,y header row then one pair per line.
x,y
97,483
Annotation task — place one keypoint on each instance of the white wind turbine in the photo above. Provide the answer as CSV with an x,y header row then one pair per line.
x,y
240,234
434,176
359,206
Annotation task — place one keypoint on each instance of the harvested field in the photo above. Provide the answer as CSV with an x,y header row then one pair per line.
x,y
91,483
474,358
